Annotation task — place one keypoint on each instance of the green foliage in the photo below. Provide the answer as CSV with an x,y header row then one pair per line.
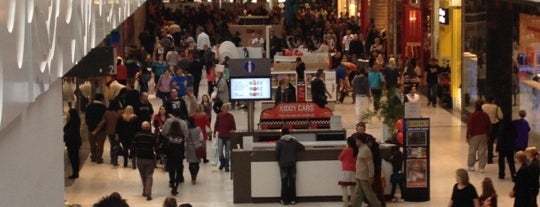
x,y
390,111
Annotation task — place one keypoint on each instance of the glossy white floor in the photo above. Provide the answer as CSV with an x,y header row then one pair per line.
x,y
214,188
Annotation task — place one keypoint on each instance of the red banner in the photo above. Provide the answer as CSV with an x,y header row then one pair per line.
x,y
296,111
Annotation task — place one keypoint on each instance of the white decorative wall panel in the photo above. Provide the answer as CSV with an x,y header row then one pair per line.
x,y
42,40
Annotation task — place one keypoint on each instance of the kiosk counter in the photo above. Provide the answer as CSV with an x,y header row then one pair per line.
x,y
256,176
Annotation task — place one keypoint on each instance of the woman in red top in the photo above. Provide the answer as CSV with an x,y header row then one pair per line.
x,y
121,71
159,119
348,165
202,121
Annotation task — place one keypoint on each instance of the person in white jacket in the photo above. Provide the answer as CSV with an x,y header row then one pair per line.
x,y
202,39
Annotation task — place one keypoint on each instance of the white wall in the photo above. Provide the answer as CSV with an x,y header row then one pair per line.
x,y
32,156
43,39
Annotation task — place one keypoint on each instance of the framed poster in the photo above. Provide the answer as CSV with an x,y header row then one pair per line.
x,y
416,138
278,76
416,152
417,174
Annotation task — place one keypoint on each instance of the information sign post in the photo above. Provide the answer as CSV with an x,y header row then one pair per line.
x,y
416,150
250,81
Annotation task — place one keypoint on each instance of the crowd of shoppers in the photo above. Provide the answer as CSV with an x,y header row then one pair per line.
x,y
177,59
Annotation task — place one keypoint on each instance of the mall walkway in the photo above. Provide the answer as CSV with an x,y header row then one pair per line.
x,y
214,187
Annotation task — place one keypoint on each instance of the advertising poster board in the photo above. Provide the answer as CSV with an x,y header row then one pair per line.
x,y
278,76
416,145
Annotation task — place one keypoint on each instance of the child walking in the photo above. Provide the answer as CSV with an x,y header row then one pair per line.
x,y
397,178
348,165
488,198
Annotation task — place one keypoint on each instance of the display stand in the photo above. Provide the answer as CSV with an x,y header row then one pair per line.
x,y
416,145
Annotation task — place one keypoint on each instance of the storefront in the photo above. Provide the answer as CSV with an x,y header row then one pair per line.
x,y
449,22
500,46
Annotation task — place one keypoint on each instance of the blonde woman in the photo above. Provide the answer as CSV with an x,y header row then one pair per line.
x,y
522,182
534,170
126,127
463,194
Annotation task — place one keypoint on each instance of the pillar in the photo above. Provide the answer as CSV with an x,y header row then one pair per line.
x,y
500,19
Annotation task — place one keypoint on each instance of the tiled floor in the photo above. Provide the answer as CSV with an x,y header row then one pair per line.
x,y
214,188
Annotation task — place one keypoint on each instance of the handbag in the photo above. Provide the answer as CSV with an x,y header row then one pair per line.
x,y
117,149
200,151
213,96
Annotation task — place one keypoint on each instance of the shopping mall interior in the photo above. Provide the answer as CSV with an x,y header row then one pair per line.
x,y
49,42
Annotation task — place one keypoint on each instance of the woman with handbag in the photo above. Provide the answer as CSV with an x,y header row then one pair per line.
x,y
72,139
194,149
203,122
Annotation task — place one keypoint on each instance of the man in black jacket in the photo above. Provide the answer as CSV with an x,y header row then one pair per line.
x,y
144,145
195,69
176,102
286,155
94,114
506,144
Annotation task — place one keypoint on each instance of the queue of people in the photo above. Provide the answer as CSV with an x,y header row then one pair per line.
x,y
524,192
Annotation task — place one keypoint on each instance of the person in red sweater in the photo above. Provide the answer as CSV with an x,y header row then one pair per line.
x,y
224,125
203,122
348,165
478,129
121,71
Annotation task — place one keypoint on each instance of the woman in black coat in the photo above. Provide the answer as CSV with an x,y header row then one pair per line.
x,y
72,139
534,170
522,182
175,156
126,127
318,90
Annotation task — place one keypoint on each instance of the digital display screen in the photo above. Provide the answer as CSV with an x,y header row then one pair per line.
x,y
251,88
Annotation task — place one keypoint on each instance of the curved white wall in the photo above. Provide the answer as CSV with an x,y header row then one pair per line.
x,y
35,51
37,38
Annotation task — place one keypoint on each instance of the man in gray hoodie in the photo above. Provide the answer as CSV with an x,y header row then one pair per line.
x,y
286,155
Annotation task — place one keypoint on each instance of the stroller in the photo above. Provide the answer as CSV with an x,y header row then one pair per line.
x,y
444,92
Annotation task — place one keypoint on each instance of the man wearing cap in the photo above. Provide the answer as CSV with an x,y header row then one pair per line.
x,y
365,173
224,125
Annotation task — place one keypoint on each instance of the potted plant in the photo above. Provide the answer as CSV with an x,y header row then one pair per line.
x,y
390,111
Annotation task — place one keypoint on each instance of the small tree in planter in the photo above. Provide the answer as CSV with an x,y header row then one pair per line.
x,y
390,111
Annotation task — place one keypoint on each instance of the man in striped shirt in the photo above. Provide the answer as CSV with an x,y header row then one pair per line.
x,y
144,150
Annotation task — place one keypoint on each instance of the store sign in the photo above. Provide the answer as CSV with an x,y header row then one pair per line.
x,y
444,16
296,111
